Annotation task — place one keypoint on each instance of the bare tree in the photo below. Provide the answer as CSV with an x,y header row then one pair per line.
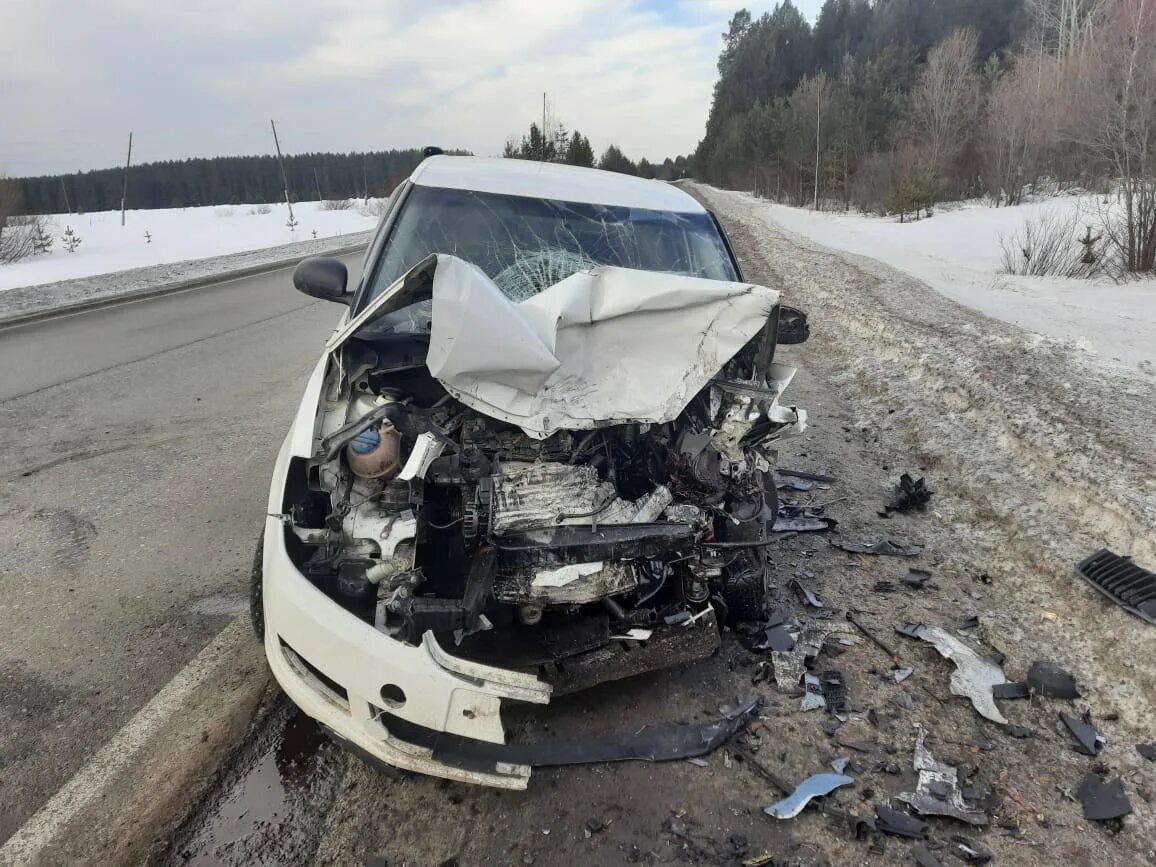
x,y
17,234
945,100
1115,85
1067,27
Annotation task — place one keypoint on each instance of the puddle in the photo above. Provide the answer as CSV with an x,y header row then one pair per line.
x,y
269,808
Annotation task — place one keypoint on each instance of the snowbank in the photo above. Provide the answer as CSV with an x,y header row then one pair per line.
x,y
957,252
177,235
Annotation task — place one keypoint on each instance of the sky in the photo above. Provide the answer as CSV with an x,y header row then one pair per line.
x,y
204,77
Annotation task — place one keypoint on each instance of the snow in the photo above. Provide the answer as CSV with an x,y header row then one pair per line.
x,y
957,252
178,235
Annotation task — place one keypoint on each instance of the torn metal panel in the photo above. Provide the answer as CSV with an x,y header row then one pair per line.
x,y
603,346
1102,799
813,787
938,791
974,676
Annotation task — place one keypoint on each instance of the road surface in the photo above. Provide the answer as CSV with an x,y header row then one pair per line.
x,y
136,444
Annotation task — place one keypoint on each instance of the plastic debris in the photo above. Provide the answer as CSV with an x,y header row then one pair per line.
x,y
1131,587
1090,741
1102,799
886,547
814,698
916,578
1007,691
910,494
1048,679
809,597
834,691
901,674
938,792
900,823
924,858
968,850
813,787
840,764
974,676
1148,751
792,518
971,622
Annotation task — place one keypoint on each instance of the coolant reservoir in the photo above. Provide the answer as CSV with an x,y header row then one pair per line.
x,y
375,453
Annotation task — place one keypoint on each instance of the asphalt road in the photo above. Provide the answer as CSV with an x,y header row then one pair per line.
x,y
136,444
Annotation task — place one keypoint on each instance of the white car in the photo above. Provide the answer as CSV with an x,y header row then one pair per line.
x,y
537,454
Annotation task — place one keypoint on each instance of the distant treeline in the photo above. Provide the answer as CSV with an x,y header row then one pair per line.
x,y
221,181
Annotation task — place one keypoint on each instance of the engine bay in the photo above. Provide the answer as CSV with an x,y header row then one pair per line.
x,y
418,513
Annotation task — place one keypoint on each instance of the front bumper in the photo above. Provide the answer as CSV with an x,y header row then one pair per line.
x,y
353,678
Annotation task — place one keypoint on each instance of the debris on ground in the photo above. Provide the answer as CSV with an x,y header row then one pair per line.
x,y
909,494
916,578
974,676
1089,740
804,474
1103,799
938,792
1008,691
899,823
1148,751
1131,587
809,596
799,519
813,787
968,850
813,698
924,858
880,547
1049,680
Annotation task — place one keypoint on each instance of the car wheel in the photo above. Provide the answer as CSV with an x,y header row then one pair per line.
x,y
745,591
256,585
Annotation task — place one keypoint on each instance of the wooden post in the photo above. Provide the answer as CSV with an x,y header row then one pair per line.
x,y
64,190
316,183
124,189
281,163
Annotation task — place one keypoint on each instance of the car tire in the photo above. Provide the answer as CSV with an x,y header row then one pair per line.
x,y
256,590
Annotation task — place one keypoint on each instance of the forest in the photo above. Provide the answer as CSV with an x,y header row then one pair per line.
x,y
221,181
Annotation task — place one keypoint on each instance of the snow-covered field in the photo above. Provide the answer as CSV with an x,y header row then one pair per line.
x,y
957,252
178,235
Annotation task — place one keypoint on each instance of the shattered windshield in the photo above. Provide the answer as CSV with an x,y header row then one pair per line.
x,y
525,244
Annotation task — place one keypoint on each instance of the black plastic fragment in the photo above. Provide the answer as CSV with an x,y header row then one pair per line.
x,y
910,494
652,743
899,823
1048,679
924,858
834,691
916,578
909,630
774,638
1131,587
1011,690
883,547
971,622
1089,741
804,474
1148,751
1102,799
1019,732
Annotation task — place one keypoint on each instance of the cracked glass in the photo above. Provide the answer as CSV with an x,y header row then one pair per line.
x,y
527,244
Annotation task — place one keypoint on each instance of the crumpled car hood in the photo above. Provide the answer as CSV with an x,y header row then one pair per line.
x,y
602,347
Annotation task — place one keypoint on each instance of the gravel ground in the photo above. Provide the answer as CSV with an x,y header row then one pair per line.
x,y
1035,460
44,296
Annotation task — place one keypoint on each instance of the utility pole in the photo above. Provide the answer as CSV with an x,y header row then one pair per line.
x,y
124,189
284,179
316,183
543,126
818,97
364,181
64,190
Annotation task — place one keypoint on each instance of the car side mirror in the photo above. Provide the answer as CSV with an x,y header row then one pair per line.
x,y
322,277
793,326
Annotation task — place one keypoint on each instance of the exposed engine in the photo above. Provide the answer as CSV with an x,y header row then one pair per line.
x,y
418,513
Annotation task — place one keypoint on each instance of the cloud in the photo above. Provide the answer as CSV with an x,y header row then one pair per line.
x,y
203,77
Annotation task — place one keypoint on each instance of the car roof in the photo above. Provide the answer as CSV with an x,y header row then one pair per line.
x,y
555,181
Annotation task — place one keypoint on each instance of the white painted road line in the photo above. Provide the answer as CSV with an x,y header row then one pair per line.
x,y
124,749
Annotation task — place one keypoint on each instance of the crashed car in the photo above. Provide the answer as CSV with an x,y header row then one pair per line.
x,y
537,454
